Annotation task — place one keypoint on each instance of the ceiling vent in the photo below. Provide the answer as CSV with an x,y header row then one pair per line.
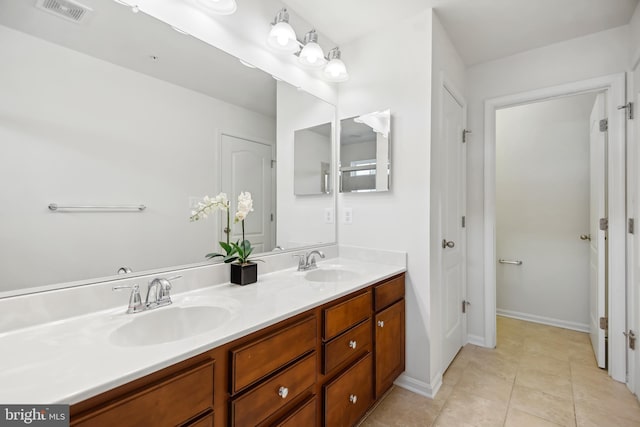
x,y
67,9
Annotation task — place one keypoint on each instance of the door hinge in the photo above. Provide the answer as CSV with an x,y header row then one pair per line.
x,y
604,125
464,221
271,217
604,224
631,337
629,107
604,323
273,164
464,306
631,226
464,135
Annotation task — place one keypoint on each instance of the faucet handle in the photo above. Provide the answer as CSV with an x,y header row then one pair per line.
x,y
135,300
302,265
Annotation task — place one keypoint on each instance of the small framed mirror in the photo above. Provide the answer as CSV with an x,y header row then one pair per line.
x,y
312,160
365,165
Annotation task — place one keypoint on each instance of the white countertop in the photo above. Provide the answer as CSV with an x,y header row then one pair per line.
x,y
71,360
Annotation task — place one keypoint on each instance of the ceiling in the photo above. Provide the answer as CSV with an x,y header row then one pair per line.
x,y
148,46
482,30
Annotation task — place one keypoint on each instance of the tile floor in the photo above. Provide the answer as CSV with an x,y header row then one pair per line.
x,y
537,376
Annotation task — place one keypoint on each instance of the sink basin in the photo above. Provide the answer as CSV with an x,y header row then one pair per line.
x,y
168,324
330,275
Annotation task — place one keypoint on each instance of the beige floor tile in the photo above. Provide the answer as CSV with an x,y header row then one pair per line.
x,y
543,405
517,418
463,409
404,408
483,384
588,415
536,379
537,376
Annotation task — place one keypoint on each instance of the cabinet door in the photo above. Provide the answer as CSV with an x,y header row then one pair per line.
x,y
389,346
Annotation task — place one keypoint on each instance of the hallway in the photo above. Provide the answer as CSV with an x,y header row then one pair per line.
x,y
537,376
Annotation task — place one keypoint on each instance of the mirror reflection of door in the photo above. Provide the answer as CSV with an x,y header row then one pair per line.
x,y
246,166
312,160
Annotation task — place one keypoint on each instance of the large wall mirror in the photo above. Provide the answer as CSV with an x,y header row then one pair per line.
x,y
365,164
121,111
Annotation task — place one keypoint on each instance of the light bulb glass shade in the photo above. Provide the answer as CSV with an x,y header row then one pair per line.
x,y
312,55
220,7
282,38
336,71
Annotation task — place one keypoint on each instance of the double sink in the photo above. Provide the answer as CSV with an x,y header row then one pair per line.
x,y
190,318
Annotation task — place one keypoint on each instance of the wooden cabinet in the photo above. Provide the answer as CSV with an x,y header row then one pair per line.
x,y
389,326
171,401
325,366
347,397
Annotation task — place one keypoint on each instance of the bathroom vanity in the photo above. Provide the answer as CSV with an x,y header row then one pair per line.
x,y
324,366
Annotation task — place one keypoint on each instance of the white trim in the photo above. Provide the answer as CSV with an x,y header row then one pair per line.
x,y
420,387
559,323
614,84
476,340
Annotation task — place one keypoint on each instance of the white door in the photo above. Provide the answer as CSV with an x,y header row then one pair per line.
x,y
246,166
598,209
453,237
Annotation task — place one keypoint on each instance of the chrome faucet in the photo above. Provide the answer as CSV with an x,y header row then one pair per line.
x,y
158,295
308,261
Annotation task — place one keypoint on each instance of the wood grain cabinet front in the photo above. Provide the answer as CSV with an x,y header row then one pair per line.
x,y
389,346
264,400
347,347
257,359
304,415
169,402
340,317
347,397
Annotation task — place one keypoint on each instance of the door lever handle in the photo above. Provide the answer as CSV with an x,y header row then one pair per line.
x,y
585,237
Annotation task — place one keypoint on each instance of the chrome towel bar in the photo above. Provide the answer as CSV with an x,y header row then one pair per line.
x,y
508,261
55,207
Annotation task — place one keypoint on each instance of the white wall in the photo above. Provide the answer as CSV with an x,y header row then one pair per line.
x,y
127,140
578,59
447,65
542,206
385,76
298,110
312,156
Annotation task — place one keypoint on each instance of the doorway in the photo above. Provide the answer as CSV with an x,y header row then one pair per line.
x,y
550,195
614,87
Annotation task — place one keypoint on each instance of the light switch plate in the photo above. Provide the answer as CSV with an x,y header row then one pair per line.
x,y
328,216
347,215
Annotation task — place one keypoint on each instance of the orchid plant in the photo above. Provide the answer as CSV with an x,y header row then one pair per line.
x,y
240,250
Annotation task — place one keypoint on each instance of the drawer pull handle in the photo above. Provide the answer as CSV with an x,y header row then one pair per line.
x,y
283,392
353,398
381,323
353,344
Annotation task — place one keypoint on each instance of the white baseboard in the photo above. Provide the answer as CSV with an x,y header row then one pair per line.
x,y
476,340
580,327
420,387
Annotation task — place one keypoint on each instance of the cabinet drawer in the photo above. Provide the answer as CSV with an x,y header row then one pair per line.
x,y
258,404
347,346
205,421
164,403
347,398
304,416
255,360
388,292
341,317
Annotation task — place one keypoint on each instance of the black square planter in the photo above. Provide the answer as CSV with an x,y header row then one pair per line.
x,y
244,274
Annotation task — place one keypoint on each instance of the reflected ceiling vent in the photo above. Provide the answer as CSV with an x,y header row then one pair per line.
x,y
67,9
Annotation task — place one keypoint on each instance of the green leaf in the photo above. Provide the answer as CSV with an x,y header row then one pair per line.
x,y
230,258
213,255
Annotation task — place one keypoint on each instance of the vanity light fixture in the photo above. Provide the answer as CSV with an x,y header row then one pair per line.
x,y
311,54
335,70
282,38
220,7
